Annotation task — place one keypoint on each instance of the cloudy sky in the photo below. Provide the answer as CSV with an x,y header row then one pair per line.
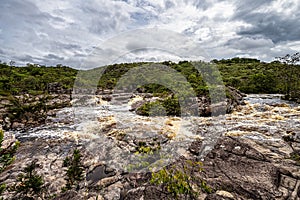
x,y
72,32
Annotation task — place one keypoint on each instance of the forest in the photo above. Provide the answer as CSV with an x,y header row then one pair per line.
x,y
246,74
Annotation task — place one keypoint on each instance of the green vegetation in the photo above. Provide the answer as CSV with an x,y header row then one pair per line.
x,y
253,76
74,172
296,157
169,106
6,156
246,74
181,182
34,79
30,184
7,153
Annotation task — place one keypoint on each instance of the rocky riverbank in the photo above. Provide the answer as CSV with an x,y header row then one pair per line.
x,y
255,155
24,111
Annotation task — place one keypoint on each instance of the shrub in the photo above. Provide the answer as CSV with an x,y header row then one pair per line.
x,y
296,156
168,106
7,153
74,170
180,181
6,156
29,184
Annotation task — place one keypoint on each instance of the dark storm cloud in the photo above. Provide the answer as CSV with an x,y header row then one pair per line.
x,y
26,58
275,27
248,43
53,57
279,27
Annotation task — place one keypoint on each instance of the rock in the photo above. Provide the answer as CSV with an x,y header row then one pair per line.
x,y
17,125
235,164
113,191
224,194
215,196
31,110
69,195
99,172
106,98
57,88
205,108
106,182
195,147
149,193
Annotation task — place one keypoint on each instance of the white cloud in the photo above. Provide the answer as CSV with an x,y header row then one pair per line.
x,y
284,7
31,30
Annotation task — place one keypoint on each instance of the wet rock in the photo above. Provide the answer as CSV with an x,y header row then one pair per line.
x,y
196,147
99,172
205,107
31,110
106,98
225,194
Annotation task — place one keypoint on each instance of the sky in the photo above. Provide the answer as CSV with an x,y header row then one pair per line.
x,y
80,33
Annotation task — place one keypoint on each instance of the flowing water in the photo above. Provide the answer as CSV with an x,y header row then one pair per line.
x,y
110,130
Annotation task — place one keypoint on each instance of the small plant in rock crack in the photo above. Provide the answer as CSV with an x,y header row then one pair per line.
x,y
74,172
179,181
7,153
29,183
6,157
295,156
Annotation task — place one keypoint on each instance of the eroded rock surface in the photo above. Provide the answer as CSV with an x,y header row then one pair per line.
x,y
254,157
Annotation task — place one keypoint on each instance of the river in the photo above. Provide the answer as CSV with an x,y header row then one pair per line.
x,y
108,134
100,125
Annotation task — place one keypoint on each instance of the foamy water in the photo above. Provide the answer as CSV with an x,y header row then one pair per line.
x,y
108,130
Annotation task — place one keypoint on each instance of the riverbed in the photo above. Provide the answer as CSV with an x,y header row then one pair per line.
x,y
109,135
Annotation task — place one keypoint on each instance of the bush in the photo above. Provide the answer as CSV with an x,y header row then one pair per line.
x,y
168,106
181,181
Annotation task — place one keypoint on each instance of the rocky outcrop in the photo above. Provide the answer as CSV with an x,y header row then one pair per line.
x,y
257,155
205,108
57,88
234,98
24,111
239,169
236,168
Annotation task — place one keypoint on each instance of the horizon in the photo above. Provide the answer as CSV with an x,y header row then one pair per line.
x,y
175,62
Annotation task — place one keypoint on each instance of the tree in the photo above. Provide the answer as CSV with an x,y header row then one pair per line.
x,y
74,170
12,63
30,184
291,74
290,59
